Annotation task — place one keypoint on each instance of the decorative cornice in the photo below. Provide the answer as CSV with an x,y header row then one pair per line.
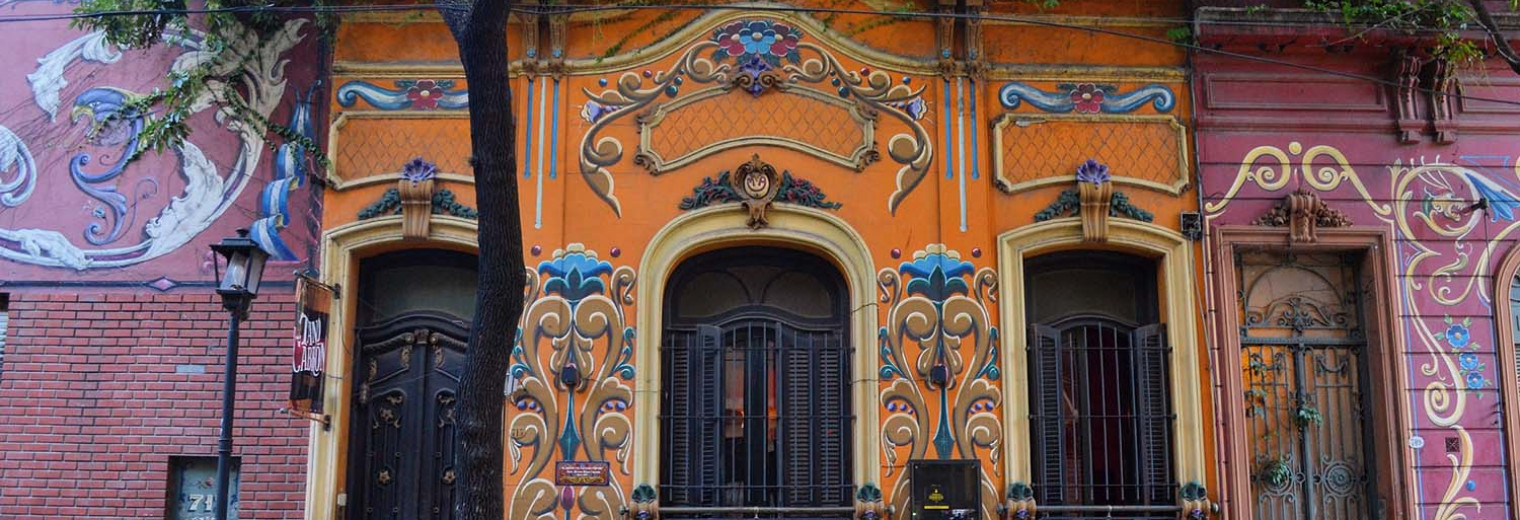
x,y
1303,213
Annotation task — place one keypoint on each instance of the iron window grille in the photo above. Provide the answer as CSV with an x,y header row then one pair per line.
x,y
1100,384
755,412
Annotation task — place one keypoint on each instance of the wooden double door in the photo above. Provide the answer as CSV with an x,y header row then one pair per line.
x,y
401,449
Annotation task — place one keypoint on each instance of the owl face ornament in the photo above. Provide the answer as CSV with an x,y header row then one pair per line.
x,y
758,183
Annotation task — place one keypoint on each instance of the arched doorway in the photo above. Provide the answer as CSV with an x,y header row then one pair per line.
x,y
755,402
413,318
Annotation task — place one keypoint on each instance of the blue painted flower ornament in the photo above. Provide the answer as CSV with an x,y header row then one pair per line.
x,y
1092,171
418,170
763,39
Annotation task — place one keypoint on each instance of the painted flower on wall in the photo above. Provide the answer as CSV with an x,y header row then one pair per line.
x,y
1469,364
1087,98
763,39
424,94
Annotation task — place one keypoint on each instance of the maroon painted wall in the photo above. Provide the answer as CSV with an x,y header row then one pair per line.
x,y
1266,130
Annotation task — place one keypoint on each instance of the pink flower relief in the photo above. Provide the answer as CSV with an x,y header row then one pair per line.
x,y
1087,98
424,94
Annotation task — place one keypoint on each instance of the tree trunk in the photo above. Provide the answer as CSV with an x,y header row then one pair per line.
x,y
480,29
1501,44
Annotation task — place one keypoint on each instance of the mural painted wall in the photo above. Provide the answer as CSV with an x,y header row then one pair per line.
x,y
903,138
72,212
1408,159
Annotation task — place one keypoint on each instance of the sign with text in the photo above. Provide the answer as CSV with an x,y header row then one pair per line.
x,y
582,473
308,358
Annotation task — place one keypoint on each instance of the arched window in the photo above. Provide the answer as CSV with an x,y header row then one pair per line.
x,y
755,409
1099,385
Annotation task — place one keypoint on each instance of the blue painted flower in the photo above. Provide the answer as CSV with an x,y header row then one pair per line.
x,y
418,170
574,273
1475,381
1092,171
1458,335
757,38
1468,360
937,273
594,111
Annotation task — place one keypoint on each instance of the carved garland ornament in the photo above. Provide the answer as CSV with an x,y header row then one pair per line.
x,y
415,197
1303,213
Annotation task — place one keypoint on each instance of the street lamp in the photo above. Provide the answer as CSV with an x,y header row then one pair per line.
x,y
238,287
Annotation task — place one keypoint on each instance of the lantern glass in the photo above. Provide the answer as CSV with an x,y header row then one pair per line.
x,y
235,279
256,259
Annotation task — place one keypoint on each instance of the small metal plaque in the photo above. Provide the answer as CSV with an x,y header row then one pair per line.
x,y
945,489
582,473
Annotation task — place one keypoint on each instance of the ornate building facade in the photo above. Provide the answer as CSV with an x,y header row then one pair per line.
x,y
973,260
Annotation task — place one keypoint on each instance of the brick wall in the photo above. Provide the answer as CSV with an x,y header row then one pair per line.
x,y
100,390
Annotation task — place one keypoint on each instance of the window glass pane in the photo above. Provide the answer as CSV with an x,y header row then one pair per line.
x,y
422,280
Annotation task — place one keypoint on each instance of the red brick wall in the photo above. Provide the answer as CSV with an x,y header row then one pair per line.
x,y
92,405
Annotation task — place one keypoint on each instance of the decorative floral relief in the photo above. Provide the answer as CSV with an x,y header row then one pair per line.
x,y
419,94
754,54
575,319
207,192
938,343
1087,98
1469,364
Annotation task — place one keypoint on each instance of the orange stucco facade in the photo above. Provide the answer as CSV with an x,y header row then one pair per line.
x,y
929,146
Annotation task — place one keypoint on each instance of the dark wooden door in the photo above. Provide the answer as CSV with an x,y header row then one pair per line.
x,y
401,449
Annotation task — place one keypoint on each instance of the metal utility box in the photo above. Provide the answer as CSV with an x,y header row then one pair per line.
x,y
946,489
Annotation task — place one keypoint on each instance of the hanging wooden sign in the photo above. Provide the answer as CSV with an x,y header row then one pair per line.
x,y
308,360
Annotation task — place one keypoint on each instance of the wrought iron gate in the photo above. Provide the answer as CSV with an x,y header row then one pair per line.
x,y
1304,359
401,449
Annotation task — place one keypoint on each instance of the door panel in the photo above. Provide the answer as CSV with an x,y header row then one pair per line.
x,y
401,447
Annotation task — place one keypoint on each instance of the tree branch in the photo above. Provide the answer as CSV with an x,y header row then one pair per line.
x,y
1486,19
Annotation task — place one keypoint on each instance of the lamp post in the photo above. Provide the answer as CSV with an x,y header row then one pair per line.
x,y
238,287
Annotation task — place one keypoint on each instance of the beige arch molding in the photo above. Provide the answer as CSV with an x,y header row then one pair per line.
x,y
727,225
1175,255
342,248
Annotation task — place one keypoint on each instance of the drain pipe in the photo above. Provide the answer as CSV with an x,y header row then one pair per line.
x,y
1206,301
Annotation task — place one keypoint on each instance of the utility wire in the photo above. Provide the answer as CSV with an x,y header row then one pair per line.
x,y
1040,21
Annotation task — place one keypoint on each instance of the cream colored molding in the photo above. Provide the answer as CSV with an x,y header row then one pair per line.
x,y
1175,255
386,69
1002,122
727,225
703,26
1110,74
653,161
342,248
335,179
1046,20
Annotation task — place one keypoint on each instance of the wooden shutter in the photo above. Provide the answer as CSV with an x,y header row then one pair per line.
x,y
707,397
1049,440
678,407
1154,414
797,440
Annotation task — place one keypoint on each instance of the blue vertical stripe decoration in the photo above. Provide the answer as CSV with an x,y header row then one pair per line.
x,y
960,143
554,131
945,92
538,208
976,158
528,135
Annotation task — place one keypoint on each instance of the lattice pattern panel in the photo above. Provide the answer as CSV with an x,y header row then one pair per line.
x,y
378,146
779,115
1049,151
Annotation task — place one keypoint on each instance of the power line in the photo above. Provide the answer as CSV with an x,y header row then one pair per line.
x,y
1041,21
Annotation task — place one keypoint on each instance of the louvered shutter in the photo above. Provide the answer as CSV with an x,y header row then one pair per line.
x,y
1155,413
679,431
832,383
797,439
707,388
1049,441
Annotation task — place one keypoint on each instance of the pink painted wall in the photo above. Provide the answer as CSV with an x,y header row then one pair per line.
x,y
69,214
1267,130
